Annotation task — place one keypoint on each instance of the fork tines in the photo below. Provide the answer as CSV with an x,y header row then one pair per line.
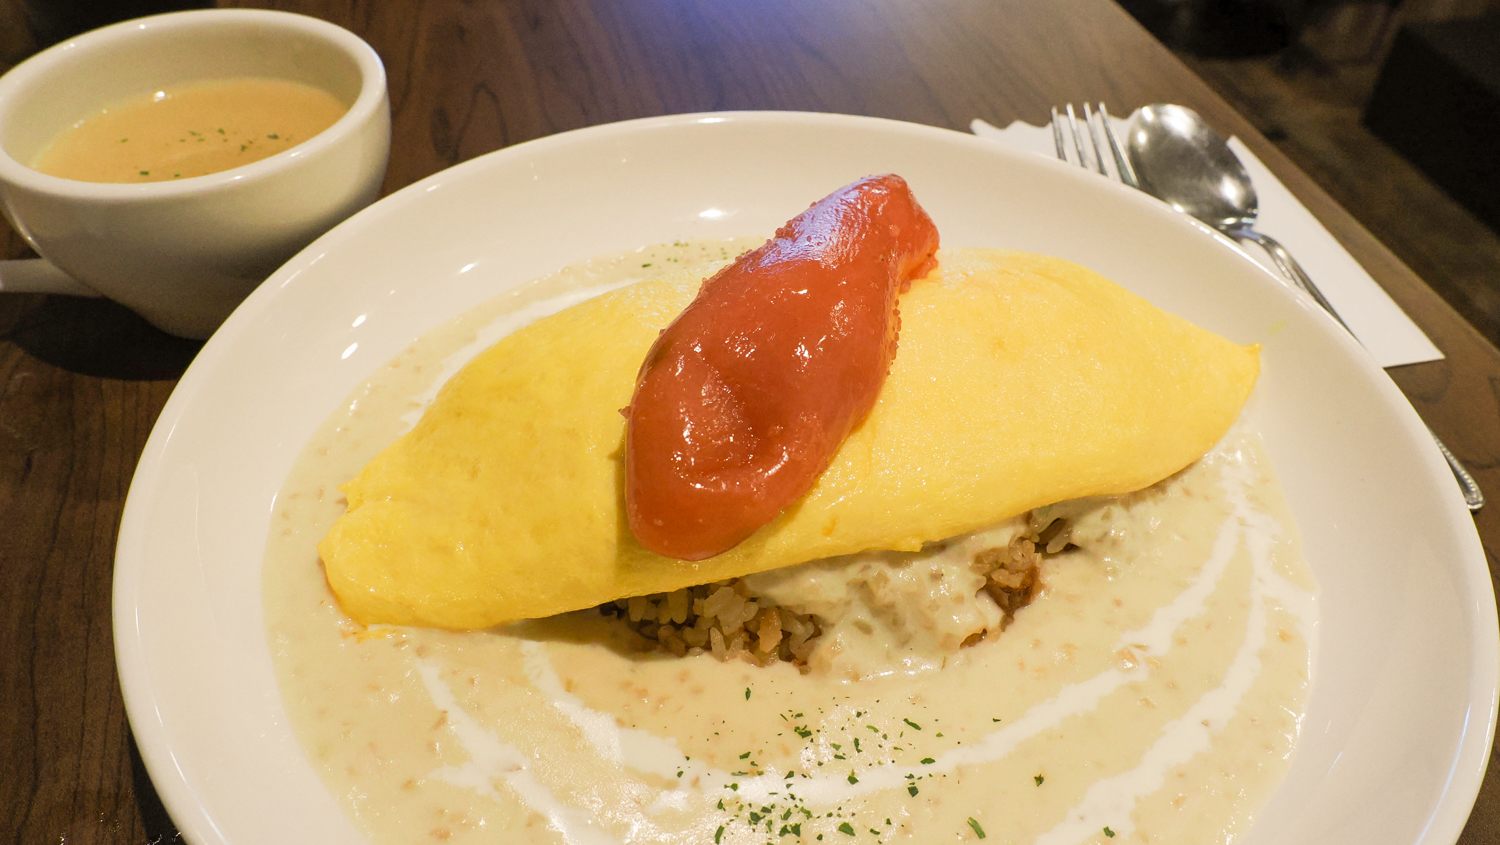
x,y
1100,133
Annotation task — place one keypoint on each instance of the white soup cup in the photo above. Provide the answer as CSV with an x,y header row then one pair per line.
x,y
183,253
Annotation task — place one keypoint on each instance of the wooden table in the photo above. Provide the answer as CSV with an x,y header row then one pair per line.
x,y
81,381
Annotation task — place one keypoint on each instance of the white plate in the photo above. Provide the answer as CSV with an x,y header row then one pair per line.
x,y
1401,712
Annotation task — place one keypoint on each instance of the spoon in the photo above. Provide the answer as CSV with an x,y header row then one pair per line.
x,y
1179,159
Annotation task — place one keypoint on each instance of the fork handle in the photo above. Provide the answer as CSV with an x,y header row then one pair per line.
x,y
1473,496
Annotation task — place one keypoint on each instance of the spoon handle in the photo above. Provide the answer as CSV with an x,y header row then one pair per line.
x,y
1291,269
1473,496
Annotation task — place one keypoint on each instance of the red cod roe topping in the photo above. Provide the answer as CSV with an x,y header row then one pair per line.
x,y
744,399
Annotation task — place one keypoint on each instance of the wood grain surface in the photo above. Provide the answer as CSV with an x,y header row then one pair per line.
x,y
82,381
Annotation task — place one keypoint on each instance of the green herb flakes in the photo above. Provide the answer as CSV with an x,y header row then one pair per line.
x,y
914,725
846,829
1039,779
1108,832
974,825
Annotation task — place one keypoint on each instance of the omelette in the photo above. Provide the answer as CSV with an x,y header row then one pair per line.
x,y
1021,381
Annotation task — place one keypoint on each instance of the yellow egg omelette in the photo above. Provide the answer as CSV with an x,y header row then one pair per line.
x,y
1020,381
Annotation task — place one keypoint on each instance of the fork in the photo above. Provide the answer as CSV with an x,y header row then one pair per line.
x,y
1091,157
1097,123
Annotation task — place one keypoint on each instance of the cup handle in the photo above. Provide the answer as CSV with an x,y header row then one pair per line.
x,y
37,275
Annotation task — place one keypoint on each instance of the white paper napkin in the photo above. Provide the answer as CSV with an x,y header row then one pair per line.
x,y
1390,336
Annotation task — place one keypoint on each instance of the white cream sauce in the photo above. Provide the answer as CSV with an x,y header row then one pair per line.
x,y
1152,693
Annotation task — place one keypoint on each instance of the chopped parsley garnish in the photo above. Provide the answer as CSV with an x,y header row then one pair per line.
x,y
747,693
846,829
911,789
914,725
718,834
928,761
974,824
745,756
852,778
1108,832
1039,779
145,173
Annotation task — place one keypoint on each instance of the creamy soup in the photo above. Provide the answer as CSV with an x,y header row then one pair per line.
x,y
1152,692
190,130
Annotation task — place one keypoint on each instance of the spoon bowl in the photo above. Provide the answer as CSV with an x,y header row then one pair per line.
x,y
1183,161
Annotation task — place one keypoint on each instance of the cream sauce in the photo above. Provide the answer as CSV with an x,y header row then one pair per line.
x,y
1154,689
190,130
